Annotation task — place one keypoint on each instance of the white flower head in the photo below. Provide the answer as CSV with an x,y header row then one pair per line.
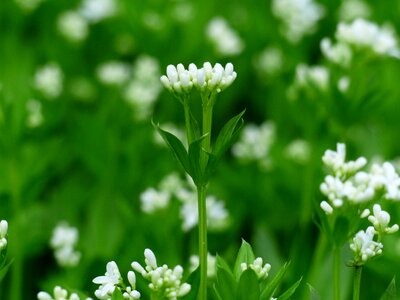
x,y
113,73
211,264
153,200
364,247
109,281
314,76
73,26
48,80
63,242
96,10
380,220
258,267
58,294
3,234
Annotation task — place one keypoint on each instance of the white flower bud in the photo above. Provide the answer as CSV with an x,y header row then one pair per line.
x,y
326,207
150,258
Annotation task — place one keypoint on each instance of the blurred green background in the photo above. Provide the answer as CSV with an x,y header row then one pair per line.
x,y
85,152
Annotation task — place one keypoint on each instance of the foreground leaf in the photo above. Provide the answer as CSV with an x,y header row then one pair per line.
x,y
245,255
248,287
390,293
286,295
269,290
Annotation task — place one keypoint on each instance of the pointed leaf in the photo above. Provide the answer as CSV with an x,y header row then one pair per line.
x,y
177,148
270,288
221,264
314,295
390,293
4,269
248,287
117,295
286,295
225,283
194,281
245,255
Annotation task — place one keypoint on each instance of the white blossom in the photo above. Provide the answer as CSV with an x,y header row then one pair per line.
x,y
299,17
258,267
315,76
353,9
211,264
162,279
153,200
97,10
299,151
224,39
63,242
73,26
269,61
364,247
48,80
108,282
339,53
113,73
343,84
59,294
3,234
380,219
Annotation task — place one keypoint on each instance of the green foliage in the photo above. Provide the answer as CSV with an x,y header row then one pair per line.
x,y
391,291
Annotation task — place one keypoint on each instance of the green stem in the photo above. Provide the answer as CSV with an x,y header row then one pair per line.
x,y
206,130
201,192
357,282
336,273
188,122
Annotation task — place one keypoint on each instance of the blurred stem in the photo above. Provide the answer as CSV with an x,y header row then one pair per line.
x,y
336,272
208,102
188,122
201,192
357,282
17,266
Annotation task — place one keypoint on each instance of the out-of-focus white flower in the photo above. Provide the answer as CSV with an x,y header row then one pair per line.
x,y
255,142
343,84
97,10
183,11
384,177
224,39
3,234
35,116
353,9
339,53
258,267
152,20
49,80
153,200
298,151
364,247
63,242
108,282
211,264
269,61
315,76
144,87
113,73
208,79
59,294
73,26
162,279
364,34
380,219
299,17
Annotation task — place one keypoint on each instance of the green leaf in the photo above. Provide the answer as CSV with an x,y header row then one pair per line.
x,y
390,293
225,285
117,295
4,269
194,159
286,295
248,287
314,295
341,231
194,281
270,288
245,255
227,134
177,148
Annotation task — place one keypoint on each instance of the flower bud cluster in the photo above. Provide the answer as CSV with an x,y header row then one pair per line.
x,y
3,234
163,280
49,80
380,220
350,184
59,294
364,247
258,267
207,79
112,280
63,242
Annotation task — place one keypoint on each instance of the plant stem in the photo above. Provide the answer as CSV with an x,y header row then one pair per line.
x,y
188,122
206,129
336,272
357,282
201,192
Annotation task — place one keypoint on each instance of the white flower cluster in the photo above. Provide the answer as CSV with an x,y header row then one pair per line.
x,y
3,234
63,242
255,143
380,220
355,186
97,10
211,264
163,280
113,73
258,267
360,34
144,87
299,151
353,9
49,80
73,26
209,79
153,199
314,76
35,116
224,39
269,62
299,17
112,280
59,294
364,246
